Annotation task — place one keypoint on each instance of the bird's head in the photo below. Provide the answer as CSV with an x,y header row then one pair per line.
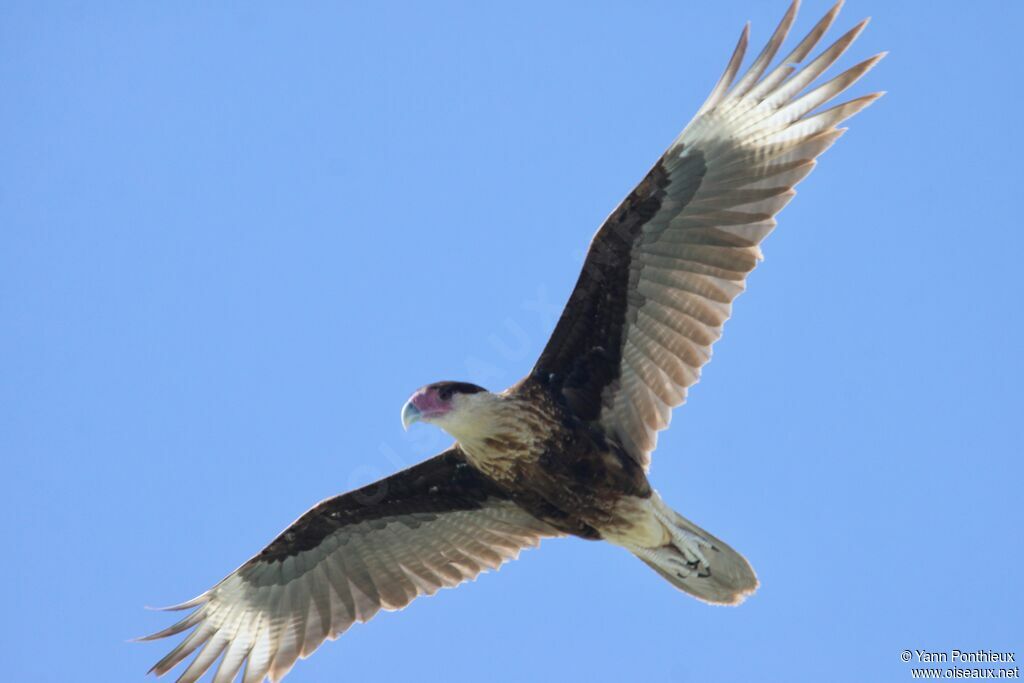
x,y
449,405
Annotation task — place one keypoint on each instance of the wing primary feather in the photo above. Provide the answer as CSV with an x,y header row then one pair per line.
x,y
823,120
185,624
764,59
722,86
816,67
232,661
184,648
814,35
258,663
188,604
803,48
240,644
204,660
823,93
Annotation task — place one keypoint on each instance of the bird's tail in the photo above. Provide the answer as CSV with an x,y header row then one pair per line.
x,y
696,562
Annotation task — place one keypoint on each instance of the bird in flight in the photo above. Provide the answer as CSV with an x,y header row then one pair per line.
x,y
565,451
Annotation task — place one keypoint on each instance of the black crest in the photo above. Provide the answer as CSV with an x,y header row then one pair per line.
x,y
448,389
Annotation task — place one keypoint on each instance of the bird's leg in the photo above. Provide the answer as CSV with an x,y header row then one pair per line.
x,y
687,542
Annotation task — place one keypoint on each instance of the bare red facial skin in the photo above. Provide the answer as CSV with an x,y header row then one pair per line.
x,y
430,404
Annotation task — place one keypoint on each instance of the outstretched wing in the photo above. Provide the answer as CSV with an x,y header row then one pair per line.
x,y
431,526
662,272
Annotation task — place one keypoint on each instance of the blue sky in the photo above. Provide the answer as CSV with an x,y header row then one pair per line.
x,y
234,239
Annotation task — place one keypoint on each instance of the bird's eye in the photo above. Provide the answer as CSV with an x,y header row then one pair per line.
x,y
445,393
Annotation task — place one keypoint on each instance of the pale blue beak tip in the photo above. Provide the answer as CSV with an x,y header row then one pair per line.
x,y
410,414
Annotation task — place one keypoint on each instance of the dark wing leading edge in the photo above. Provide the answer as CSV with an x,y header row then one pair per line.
x,y
429,527
662,272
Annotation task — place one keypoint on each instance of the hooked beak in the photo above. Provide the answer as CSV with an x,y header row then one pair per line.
x,y
410,414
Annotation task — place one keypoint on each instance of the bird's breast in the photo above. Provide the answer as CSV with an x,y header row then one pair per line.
x,y
512,447
560,470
